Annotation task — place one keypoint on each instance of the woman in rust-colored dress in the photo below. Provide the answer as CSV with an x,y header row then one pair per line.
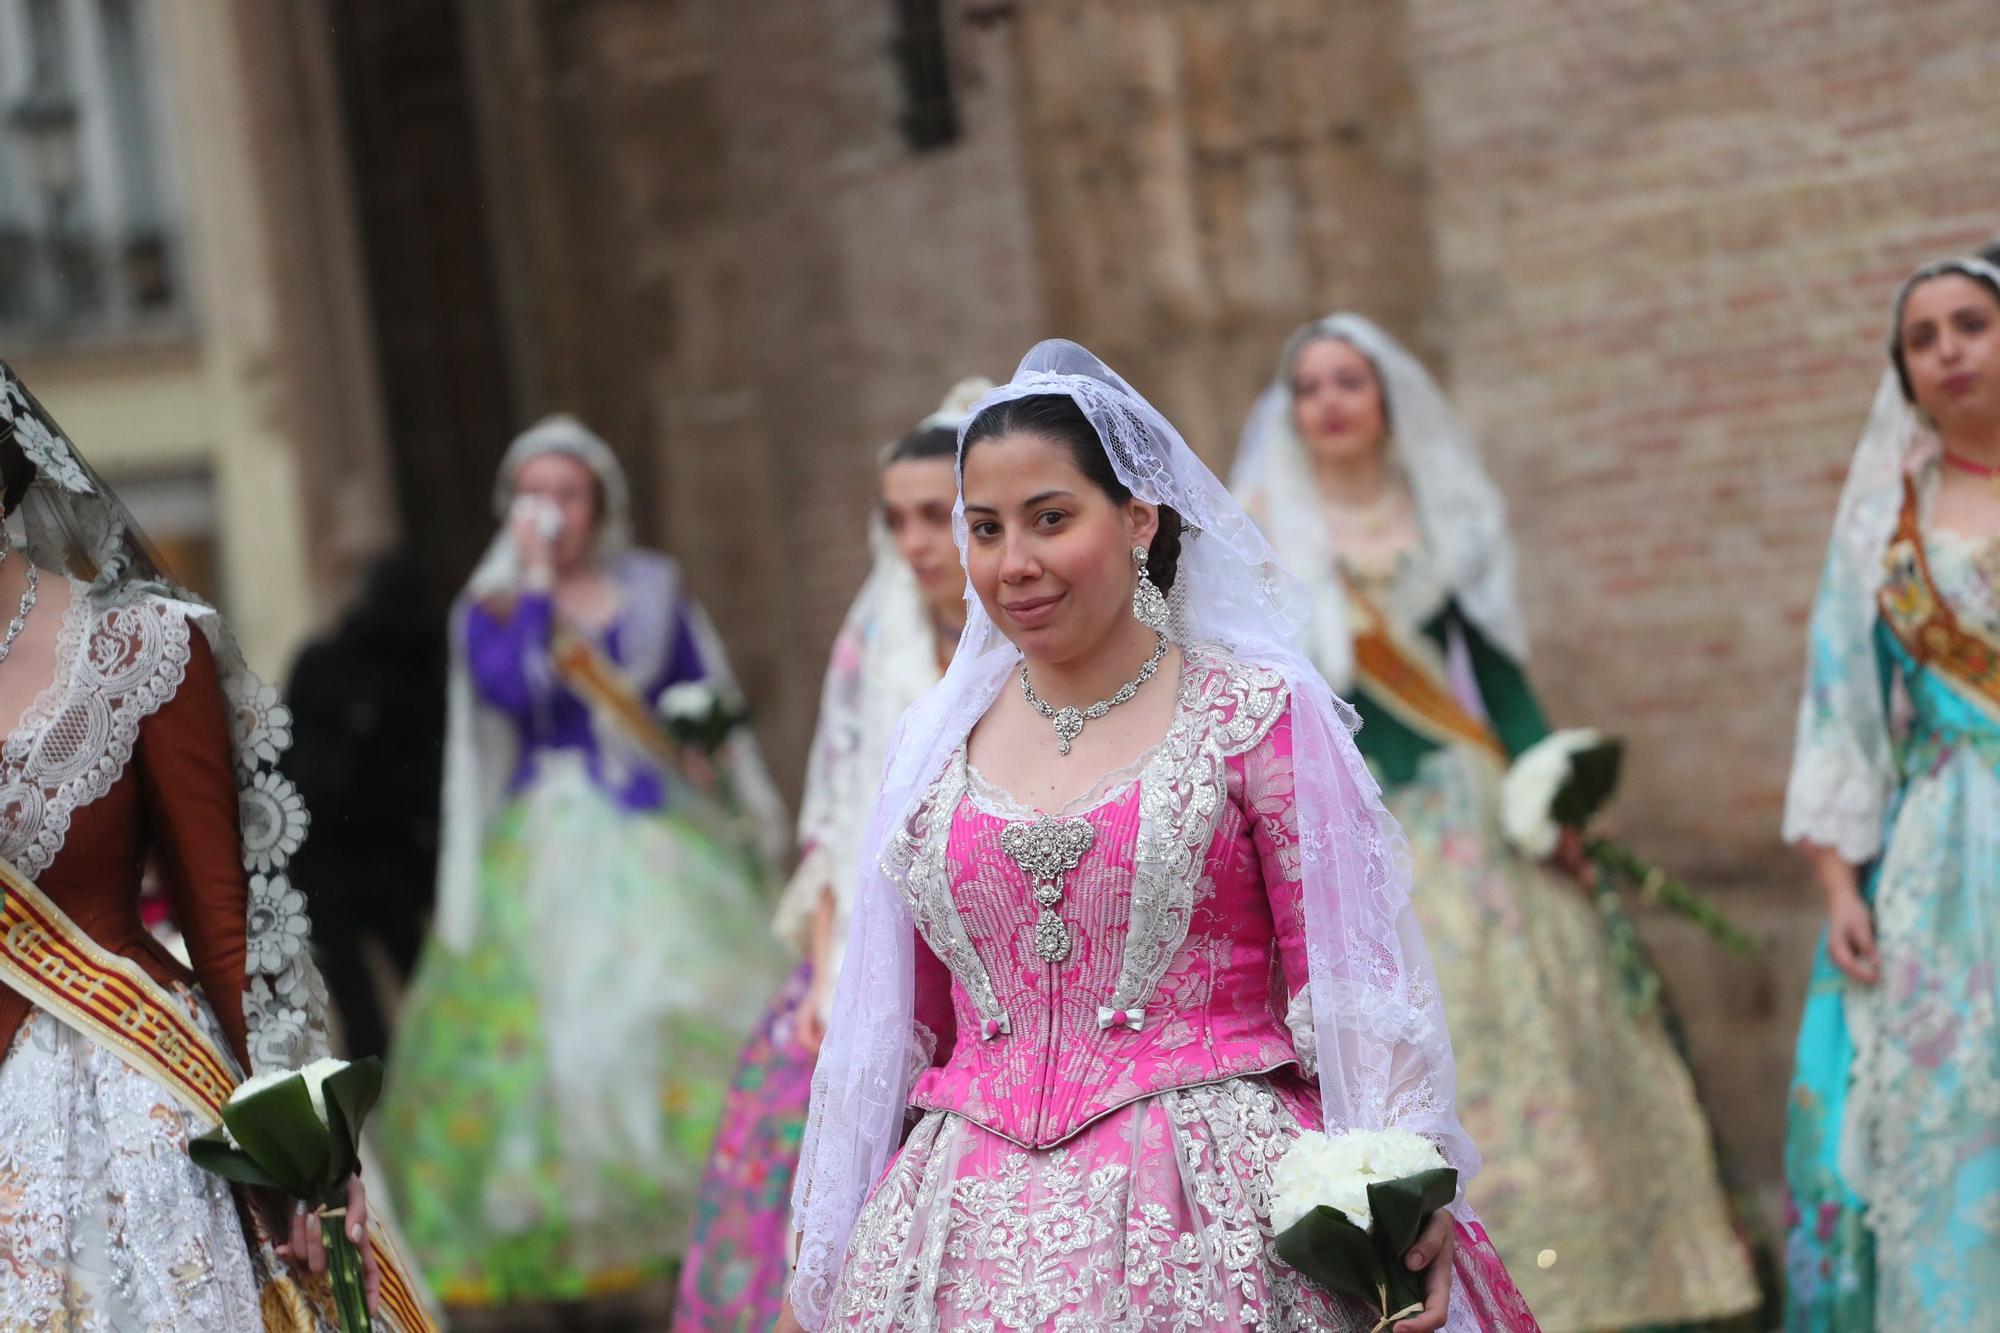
x,y
141,737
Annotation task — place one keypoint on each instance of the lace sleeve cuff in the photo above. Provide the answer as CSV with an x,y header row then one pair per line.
x,y
1833,802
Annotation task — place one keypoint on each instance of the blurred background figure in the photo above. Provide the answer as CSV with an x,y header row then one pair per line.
x,y
895,643
1371,490
1892,1159
367,755
601,948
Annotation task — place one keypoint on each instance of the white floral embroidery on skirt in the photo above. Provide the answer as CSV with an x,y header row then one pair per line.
x,y
1155,1217
106,1226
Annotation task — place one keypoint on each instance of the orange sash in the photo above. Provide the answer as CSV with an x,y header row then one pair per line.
x,y
603,686
1924,620
47,958
1408,685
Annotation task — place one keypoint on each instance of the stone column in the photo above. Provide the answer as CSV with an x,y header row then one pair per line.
x,y
1207,175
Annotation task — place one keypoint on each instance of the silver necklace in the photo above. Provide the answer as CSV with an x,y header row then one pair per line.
x,y
20,620
1068,722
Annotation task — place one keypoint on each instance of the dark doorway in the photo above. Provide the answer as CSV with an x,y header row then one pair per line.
x,y
412,143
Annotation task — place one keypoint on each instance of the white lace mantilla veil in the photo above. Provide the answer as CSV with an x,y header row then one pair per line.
x,y
70,522
1459,509
1843,766
480,748
860,704
1383,1054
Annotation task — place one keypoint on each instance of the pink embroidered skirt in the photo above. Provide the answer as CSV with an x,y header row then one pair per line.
x,y
1154,1217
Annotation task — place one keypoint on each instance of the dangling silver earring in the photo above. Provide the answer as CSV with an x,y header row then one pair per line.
x,y
1149,604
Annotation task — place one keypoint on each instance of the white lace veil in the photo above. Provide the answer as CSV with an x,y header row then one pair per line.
x,y
480,749
71,523
1461,513
1382,1051
1843,767
884,659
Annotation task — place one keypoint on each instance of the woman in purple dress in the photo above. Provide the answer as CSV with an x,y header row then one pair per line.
x,y
601,949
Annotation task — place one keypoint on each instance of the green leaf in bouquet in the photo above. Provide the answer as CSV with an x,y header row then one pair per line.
x,y
278,1129
213,1152
1399,1209
350,1095
1593,777
1332,1251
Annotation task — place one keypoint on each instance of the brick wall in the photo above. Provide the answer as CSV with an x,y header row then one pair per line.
x,y
1666,234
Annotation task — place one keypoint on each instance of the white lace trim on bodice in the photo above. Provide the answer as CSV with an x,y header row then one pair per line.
x,y
116,665
1225,709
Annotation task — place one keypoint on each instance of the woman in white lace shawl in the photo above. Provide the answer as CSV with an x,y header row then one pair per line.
x,y
1891,1156
1131,917
1371,490
141,736
893,645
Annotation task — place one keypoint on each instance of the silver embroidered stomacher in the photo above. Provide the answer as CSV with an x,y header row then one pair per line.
x,y
1046,850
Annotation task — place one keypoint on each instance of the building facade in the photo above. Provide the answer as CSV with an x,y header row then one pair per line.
x,y
181,284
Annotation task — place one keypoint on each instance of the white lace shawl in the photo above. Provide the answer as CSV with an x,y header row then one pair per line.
x,y
883,660
1843,764
1459,509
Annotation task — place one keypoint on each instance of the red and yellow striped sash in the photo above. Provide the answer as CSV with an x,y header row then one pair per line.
x,y
48,958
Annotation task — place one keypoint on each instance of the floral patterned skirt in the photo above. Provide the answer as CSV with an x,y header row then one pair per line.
x,y
739,1255
553,1089
1596,1145
1154,1217
1892,1154
105,1222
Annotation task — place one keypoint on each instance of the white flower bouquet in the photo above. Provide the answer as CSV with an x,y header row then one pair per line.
x,y
1349,1206
298,1132
1563,782
700,716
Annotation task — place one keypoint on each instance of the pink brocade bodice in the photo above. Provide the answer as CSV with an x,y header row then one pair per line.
x,y
1180,942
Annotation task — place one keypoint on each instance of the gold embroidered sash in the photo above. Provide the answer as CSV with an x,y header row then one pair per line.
x,y
597,679
1409,685
1925,622
114,1002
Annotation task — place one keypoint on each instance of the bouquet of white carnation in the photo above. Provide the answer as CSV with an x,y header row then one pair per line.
x,y
298,1131
699,715
1349,1206
1563,782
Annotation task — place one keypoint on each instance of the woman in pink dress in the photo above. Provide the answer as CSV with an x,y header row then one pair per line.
x,y
1131,919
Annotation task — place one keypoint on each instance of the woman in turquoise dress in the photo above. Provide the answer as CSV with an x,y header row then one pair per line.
x,y
601,948
1893,1151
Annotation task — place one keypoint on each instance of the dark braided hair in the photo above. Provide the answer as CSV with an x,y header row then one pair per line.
x,y
1057,417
